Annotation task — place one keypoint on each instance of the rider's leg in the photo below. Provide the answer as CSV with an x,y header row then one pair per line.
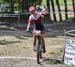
x,y
43,43
34,41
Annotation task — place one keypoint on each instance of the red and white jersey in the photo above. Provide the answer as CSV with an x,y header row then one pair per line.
x,y
37,18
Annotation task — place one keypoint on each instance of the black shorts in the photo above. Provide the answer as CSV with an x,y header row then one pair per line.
x,y
39,26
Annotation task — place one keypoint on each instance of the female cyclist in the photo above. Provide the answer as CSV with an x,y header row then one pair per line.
x,y
36,18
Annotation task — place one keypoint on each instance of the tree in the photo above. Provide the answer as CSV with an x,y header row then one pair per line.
x,y
24,5
12,6
65,5
73,3
3,1
58,5
53,8
48,6
35,2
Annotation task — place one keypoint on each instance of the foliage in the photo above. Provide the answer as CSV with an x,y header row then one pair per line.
x,y
17,4
35,2
3,1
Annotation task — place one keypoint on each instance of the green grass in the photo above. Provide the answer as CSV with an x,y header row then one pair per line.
x,y
69,2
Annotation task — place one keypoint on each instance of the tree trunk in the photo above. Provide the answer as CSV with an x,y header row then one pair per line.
x,y
73,2
12,6
66,15
58,5
54,15
48,6
24,5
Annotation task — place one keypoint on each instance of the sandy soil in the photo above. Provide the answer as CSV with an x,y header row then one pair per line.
x,y
23,46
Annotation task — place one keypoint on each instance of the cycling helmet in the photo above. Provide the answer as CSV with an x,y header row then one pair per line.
x,y
32,9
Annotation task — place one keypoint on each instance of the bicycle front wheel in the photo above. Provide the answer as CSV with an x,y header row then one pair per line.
x,y
39,52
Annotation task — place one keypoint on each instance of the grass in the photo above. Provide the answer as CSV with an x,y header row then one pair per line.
x,y
69,2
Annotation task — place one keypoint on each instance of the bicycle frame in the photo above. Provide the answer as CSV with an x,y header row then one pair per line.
x,y
37,32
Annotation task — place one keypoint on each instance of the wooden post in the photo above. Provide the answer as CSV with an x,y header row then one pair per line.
x,y
58,5
48,6
52,3
66,12
73,3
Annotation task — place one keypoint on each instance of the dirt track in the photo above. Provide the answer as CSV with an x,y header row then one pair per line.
x,y
27,63
21,46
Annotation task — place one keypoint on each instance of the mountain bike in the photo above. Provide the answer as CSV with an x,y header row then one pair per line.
x,y
38,45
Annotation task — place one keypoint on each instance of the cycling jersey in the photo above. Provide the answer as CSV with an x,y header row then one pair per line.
x,y
37,21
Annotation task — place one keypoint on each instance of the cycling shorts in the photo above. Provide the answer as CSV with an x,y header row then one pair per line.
x,y
39,26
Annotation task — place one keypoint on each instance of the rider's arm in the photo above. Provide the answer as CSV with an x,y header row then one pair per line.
x,y
29,24
43,12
